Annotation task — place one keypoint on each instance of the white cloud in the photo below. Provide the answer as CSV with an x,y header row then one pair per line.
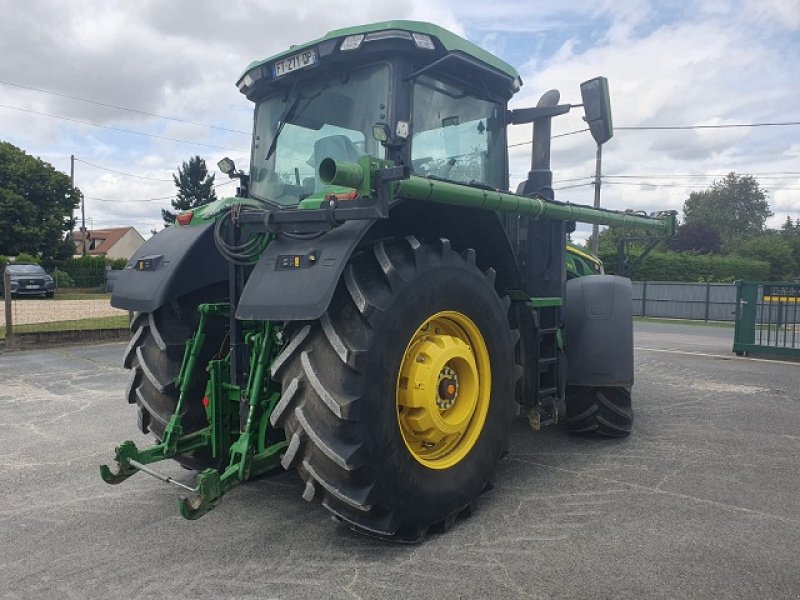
x,y
668,63
687,72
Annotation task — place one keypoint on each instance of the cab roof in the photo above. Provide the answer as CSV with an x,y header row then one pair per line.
x,y
449,41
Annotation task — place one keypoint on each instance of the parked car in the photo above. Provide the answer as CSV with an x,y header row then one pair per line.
x,y
29,280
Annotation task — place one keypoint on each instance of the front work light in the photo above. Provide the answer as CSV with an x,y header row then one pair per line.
x,y
381,132
423,41
352,42
226,165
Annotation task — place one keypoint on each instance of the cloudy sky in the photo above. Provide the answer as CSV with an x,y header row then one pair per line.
x,y
156,80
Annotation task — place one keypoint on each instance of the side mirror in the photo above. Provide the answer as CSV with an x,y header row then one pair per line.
x,y
597,107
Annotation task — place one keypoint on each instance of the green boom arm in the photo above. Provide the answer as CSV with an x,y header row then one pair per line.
x,y
353,175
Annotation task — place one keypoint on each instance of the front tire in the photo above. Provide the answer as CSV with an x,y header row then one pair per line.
x,y
346,380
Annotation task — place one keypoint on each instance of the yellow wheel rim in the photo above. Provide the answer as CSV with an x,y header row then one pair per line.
x,y
443,390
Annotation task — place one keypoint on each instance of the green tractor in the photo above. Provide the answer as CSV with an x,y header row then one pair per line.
x,y
374,306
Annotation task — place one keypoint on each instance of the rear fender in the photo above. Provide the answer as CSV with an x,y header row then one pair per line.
x,y
288,285
294,279
599,327
174,262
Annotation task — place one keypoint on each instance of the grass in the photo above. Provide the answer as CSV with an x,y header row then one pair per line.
x,y
71,294
729,324
112,322
77,294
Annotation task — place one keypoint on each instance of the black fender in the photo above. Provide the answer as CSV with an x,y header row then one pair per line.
x,y
277,290
295,278
599,331
174,262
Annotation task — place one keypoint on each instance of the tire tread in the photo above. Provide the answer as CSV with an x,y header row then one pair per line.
x,y
599,411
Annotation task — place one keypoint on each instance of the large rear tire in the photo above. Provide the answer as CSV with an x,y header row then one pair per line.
x,y
397,402
154,355
599,411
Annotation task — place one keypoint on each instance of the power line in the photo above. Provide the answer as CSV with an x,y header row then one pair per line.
x,y
676,176
566,187
551,137
672,128
129,200
120,172
151,135
117,107
726,126
766,175
560,135
686,186
160,199
573,179
217,127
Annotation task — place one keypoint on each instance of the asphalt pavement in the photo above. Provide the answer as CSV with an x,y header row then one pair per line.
x,y
702,501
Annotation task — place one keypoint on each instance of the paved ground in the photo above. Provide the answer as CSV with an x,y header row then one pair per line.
x,y
703,501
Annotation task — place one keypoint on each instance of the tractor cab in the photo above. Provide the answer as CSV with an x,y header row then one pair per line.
x,y
408,92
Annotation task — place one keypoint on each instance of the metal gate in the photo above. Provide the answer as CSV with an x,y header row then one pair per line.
x,y
767,318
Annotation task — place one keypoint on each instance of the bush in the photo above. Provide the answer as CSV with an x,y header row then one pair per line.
x,y
26,259
117,264
86,271
63,279
3,262
683,266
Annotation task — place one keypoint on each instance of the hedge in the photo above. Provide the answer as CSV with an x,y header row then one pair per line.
x,y
685,266
89,271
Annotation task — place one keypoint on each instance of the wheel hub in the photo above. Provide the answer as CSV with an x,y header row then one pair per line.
x,y
443,390
448,388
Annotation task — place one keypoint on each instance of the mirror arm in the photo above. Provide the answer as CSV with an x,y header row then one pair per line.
x,y
529,115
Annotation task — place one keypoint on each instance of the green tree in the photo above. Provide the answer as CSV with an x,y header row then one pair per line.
x,y
36,204
696,238
775,250
790,227
735,207
637,237
195,188
790,232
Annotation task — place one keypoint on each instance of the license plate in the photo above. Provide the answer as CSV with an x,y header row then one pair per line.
x,y
31,287
301,60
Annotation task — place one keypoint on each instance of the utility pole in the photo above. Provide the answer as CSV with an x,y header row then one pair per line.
x,y
72,186
83,207
596,228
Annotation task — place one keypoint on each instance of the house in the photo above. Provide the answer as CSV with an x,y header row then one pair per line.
x,y
116,242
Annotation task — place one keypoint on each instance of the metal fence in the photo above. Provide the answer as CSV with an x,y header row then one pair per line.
x,y
673,300
768,319
72,313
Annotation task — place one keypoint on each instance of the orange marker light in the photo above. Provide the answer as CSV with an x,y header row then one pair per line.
x,y
185,218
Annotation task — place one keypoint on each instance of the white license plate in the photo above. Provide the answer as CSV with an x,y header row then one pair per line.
x,y
31,287
301,60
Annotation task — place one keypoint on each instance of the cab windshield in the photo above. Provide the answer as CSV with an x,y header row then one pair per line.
x,y
298,128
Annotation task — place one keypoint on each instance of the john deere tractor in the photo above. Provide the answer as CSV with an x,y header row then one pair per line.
x,y
374,306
